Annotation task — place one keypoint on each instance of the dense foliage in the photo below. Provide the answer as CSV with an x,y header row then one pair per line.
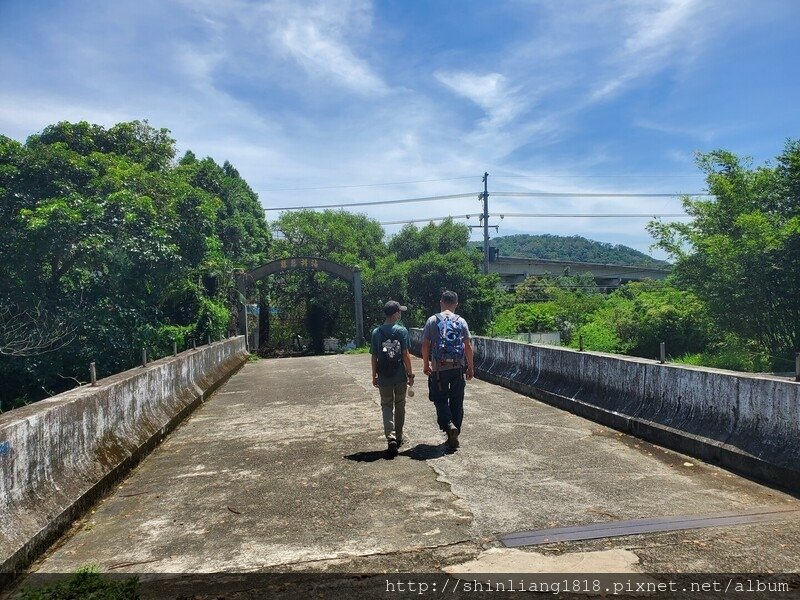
x,y
109,244
741,252
572,248
435,258
101,229
550,303
636,318
632,320
313,303
733,300
414,267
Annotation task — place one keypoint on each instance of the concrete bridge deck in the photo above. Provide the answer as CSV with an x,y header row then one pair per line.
x,y
283,469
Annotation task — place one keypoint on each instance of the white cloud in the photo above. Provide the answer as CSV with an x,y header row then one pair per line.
x,y
581,54
321,51
656,35
298,94
197,64
680,156
658,25
269,40
489,91
703,133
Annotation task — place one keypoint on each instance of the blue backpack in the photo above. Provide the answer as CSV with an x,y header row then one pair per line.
x,y
450,345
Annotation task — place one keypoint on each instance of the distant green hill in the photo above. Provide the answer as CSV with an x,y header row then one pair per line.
x,y
574,248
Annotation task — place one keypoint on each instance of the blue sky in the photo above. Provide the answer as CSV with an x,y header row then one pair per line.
x,y
567,96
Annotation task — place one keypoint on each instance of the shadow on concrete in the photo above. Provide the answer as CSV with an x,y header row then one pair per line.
x,y
426,451
418,452
368,457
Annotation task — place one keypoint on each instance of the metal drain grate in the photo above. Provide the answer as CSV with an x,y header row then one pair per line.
x,y
639,526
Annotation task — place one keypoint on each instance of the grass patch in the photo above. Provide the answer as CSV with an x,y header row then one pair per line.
x,y
733,359
87,582
359,350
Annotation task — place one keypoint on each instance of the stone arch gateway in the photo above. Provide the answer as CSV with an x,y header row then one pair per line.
x,y
350,274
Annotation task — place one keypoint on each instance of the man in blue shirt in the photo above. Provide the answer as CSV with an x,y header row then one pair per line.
x,y
392,372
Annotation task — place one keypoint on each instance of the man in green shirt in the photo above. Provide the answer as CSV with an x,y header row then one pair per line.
x,y
392,372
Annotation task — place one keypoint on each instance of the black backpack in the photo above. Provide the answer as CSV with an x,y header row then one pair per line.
x,y
390,356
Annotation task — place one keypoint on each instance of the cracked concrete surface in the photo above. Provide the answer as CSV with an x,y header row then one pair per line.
x,y
284,470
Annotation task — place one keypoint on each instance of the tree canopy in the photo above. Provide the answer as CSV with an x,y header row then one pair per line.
x,y
741,252
101,229
413,267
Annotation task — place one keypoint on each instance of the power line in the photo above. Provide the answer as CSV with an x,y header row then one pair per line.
x,y
409,221
543,215
593,194
574,176
479,196
375,203
360,185
591,215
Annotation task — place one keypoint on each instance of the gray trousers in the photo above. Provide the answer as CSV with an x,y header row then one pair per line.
x,y
393,407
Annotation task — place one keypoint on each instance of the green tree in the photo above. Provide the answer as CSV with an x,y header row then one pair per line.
x,y
346,238
412,242
414,267
437,258
101,231
741,252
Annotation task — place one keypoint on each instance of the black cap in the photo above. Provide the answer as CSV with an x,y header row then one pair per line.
x,y
393,306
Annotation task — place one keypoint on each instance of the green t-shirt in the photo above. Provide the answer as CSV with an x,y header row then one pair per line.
x,y
379,335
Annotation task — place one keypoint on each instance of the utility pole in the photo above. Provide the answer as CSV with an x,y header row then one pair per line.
x,y
484,217
486,223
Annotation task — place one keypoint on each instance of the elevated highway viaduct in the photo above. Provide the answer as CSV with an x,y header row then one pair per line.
x,y
513,271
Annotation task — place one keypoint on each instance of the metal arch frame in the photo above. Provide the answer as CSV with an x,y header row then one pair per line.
x,y
349,274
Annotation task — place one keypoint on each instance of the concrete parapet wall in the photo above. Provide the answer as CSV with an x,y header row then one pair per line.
x,y
59,455
747,423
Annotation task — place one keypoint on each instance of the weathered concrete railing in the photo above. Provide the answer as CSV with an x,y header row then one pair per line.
x,y
58,456
747,423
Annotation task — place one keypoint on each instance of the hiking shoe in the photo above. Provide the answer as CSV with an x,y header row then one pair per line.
x,y
452,437
400,442
391,451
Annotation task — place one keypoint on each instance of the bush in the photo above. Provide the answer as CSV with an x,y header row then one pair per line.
x,y
164,335
212,320
733,354
638,317
535,317
599,337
